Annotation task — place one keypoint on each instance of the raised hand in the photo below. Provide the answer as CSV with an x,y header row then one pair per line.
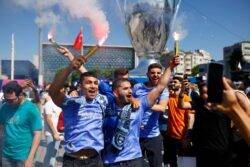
x,y
64,51
135,103
229,99
27,84
185,86
77,62
174,62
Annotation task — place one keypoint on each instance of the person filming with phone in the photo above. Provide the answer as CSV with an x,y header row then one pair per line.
x,y
237,108
211,131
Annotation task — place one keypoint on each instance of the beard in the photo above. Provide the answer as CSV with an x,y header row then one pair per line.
x,y
124,99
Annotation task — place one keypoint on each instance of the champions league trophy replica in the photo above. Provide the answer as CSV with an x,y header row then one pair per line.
x,y
148,24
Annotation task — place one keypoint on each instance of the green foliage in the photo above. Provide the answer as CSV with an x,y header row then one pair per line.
x,y
195,71
76,74
103,72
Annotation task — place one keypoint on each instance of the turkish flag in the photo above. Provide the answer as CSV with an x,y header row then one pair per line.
x,y
78,41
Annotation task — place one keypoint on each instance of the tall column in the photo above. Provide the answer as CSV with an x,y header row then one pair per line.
x,y
12,74
40,59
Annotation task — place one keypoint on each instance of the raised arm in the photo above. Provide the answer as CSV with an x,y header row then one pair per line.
x,y
241,120
64,51
29,84
243,101
161,107
233,108
155,93
36,94
58,83
181,103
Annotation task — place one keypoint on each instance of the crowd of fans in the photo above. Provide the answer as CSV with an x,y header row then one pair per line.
x,y
124,124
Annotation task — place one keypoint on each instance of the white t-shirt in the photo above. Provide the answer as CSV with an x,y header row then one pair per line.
x,y
1,96
54,110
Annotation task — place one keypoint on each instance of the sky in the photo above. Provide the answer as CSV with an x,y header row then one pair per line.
x,y
208,24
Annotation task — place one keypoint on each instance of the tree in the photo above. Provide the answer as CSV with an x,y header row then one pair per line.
x,y
74,76
103,72
195,71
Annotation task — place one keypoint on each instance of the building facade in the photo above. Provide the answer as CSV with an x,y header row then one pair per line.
x,y
106,58
188,60
237,61
24,69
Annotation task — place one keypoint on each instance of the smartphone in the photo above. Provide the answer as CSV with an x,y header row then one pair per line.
x,y
214,82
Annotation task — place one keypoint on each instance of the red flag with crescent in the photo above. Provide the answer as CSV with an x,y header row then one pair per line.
x,y
78,41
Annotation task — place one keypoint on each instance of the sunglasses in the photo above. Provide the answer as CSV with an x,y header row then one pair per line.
x,y
11,100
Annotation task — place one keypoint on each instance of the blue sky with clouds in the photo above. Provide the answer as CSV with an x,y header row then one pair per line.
x,y
210,25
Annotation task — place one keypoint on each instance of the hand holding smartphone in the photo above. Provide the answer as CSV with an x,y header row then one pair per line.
x,y
215,83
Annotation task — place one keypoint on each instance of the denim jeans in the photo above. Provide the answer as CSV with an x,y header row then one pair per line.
x,y
51,153
7,162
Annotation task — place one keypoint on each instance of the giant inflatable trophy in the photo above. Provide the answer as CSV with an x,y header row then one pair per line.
x,y
148,24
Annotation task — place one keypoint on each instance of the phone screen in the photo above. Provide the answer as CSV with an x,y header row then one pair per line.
x,y
214,82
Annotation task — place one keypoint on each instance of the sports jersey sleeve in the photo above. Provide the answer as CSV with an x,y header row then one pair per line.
x,y
135,89
144,104
66,103
164,95
105,89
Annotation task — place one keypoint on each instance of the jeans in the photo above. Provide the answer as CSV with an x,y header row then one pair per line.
x,y
52,148
7,162
95,161
138,162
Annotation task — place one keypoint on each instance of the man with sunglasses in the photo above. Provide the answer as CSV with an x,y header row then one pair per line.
x,y
22,126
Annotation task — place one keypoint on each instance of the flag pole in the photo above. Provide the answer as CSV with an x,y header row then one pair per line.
x,y
82,41
12,57
40,66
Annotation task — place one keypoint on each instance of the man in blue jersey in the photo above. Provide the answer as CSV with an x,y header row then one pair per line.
x,y
150,137
83,118
122,147
22,125
105,88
